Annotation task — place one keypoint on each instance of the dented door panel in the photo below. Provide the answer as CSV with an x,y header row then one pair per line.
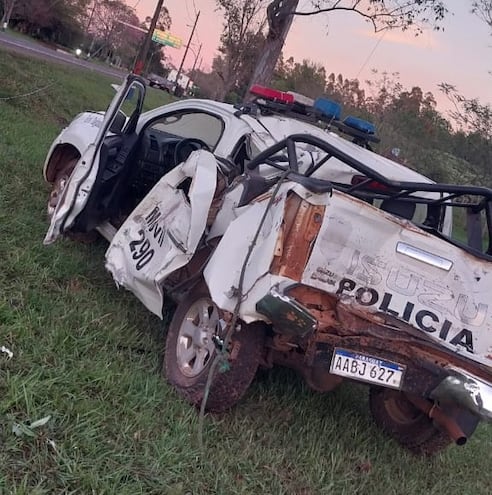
x,y
163,232
223,271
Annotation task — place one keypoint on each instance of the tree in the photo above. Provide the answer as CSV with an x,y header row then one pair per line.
x,y
306,77
244,21
8,7
110,29
346,91
469,114
163,21
483,9
52,20
381,14
207,83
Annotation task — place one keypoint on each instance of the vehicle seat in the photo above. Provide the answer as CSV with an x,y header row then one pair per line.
x,y
253,186
403,209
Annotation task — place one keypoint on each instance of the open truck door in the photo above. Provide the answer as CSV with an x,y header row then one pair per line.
x,y
119,127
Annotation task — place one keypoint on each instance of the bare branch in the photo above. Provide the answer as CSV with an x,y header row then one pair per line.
x,y
386,14
338,9
483,9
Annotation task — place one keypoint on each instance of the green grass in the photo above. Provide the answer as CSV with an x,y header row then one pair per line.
x,y
88,355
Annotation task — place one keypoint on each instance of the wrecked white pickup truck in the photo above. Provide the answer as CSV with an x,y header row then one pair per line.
x,y
283,243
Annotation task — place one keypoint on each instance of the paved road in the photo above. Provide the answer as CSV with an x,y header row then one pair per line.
x,y
20,45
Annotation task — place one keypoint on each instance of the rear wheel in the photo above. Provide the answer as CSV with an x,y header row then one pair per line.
x,y
190,351
407,424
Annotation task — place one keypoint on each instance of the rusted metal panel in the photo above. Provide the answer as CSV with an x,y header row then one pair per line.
x,y
301,225
320,304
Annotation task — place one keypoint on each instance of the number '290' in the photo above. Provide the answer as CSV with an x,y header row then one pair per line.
x,y
141,250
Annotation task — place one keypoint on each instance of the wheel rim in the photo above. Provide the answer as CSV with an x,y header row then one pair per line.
x,y
55,194
195,346
59,185
401,410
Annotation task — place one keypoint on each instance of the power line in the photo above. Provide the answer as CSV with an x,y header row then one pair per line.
x,y
188,11
190,17
371,54
186,51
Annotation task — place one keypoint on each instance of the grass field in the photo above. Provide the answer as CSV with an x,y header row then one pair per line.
x,y
87,355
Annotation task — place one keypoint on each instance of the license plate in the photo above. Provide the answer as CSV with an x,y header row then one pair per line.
x,y
366,368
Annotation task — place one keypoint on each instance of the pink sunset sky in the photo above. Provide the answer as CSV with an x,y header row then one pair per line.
x,y
344,43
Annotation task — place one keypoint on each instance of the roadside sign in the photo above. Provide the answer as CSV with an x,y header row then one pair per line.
x,y
166,38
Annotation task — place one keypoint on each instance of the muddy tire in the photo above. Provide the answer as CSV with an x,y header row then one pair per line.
x,y
404,422
60,181
59,184
190,351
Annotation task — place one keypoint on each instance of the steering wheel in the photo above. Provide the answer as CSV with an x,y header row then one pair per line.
x,y
186,146
271,158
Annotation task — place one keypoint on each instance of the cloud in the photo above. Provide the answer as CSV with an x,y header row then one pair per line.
x,y
427,40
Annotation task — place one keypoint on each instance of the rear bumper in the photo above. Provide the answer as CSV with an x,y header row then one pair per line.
x,y
451,386
466,390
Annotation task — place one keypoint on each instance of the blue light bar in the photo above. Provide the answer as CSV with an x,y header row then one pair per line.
x,y
330,109
360,125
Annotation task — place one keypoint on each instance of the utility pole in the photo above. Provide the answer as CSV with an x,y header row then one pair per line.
x,y
194,65
91,16
144,49
176,89
89,47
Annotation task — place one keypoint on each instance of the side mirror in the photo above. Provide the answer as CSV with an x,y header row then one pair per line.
x,y
118,123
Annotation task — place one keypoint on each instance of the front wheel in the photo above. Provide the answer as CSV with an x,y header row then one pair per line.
x,y
60,182
407,424
190,351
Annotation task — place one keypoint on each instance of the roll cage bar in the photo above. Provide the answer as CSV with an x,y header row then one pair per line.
x,y
373,185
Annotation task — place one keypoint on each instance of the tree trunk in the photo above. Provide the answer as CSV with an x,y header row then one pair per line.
x,y
279,20
4,22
